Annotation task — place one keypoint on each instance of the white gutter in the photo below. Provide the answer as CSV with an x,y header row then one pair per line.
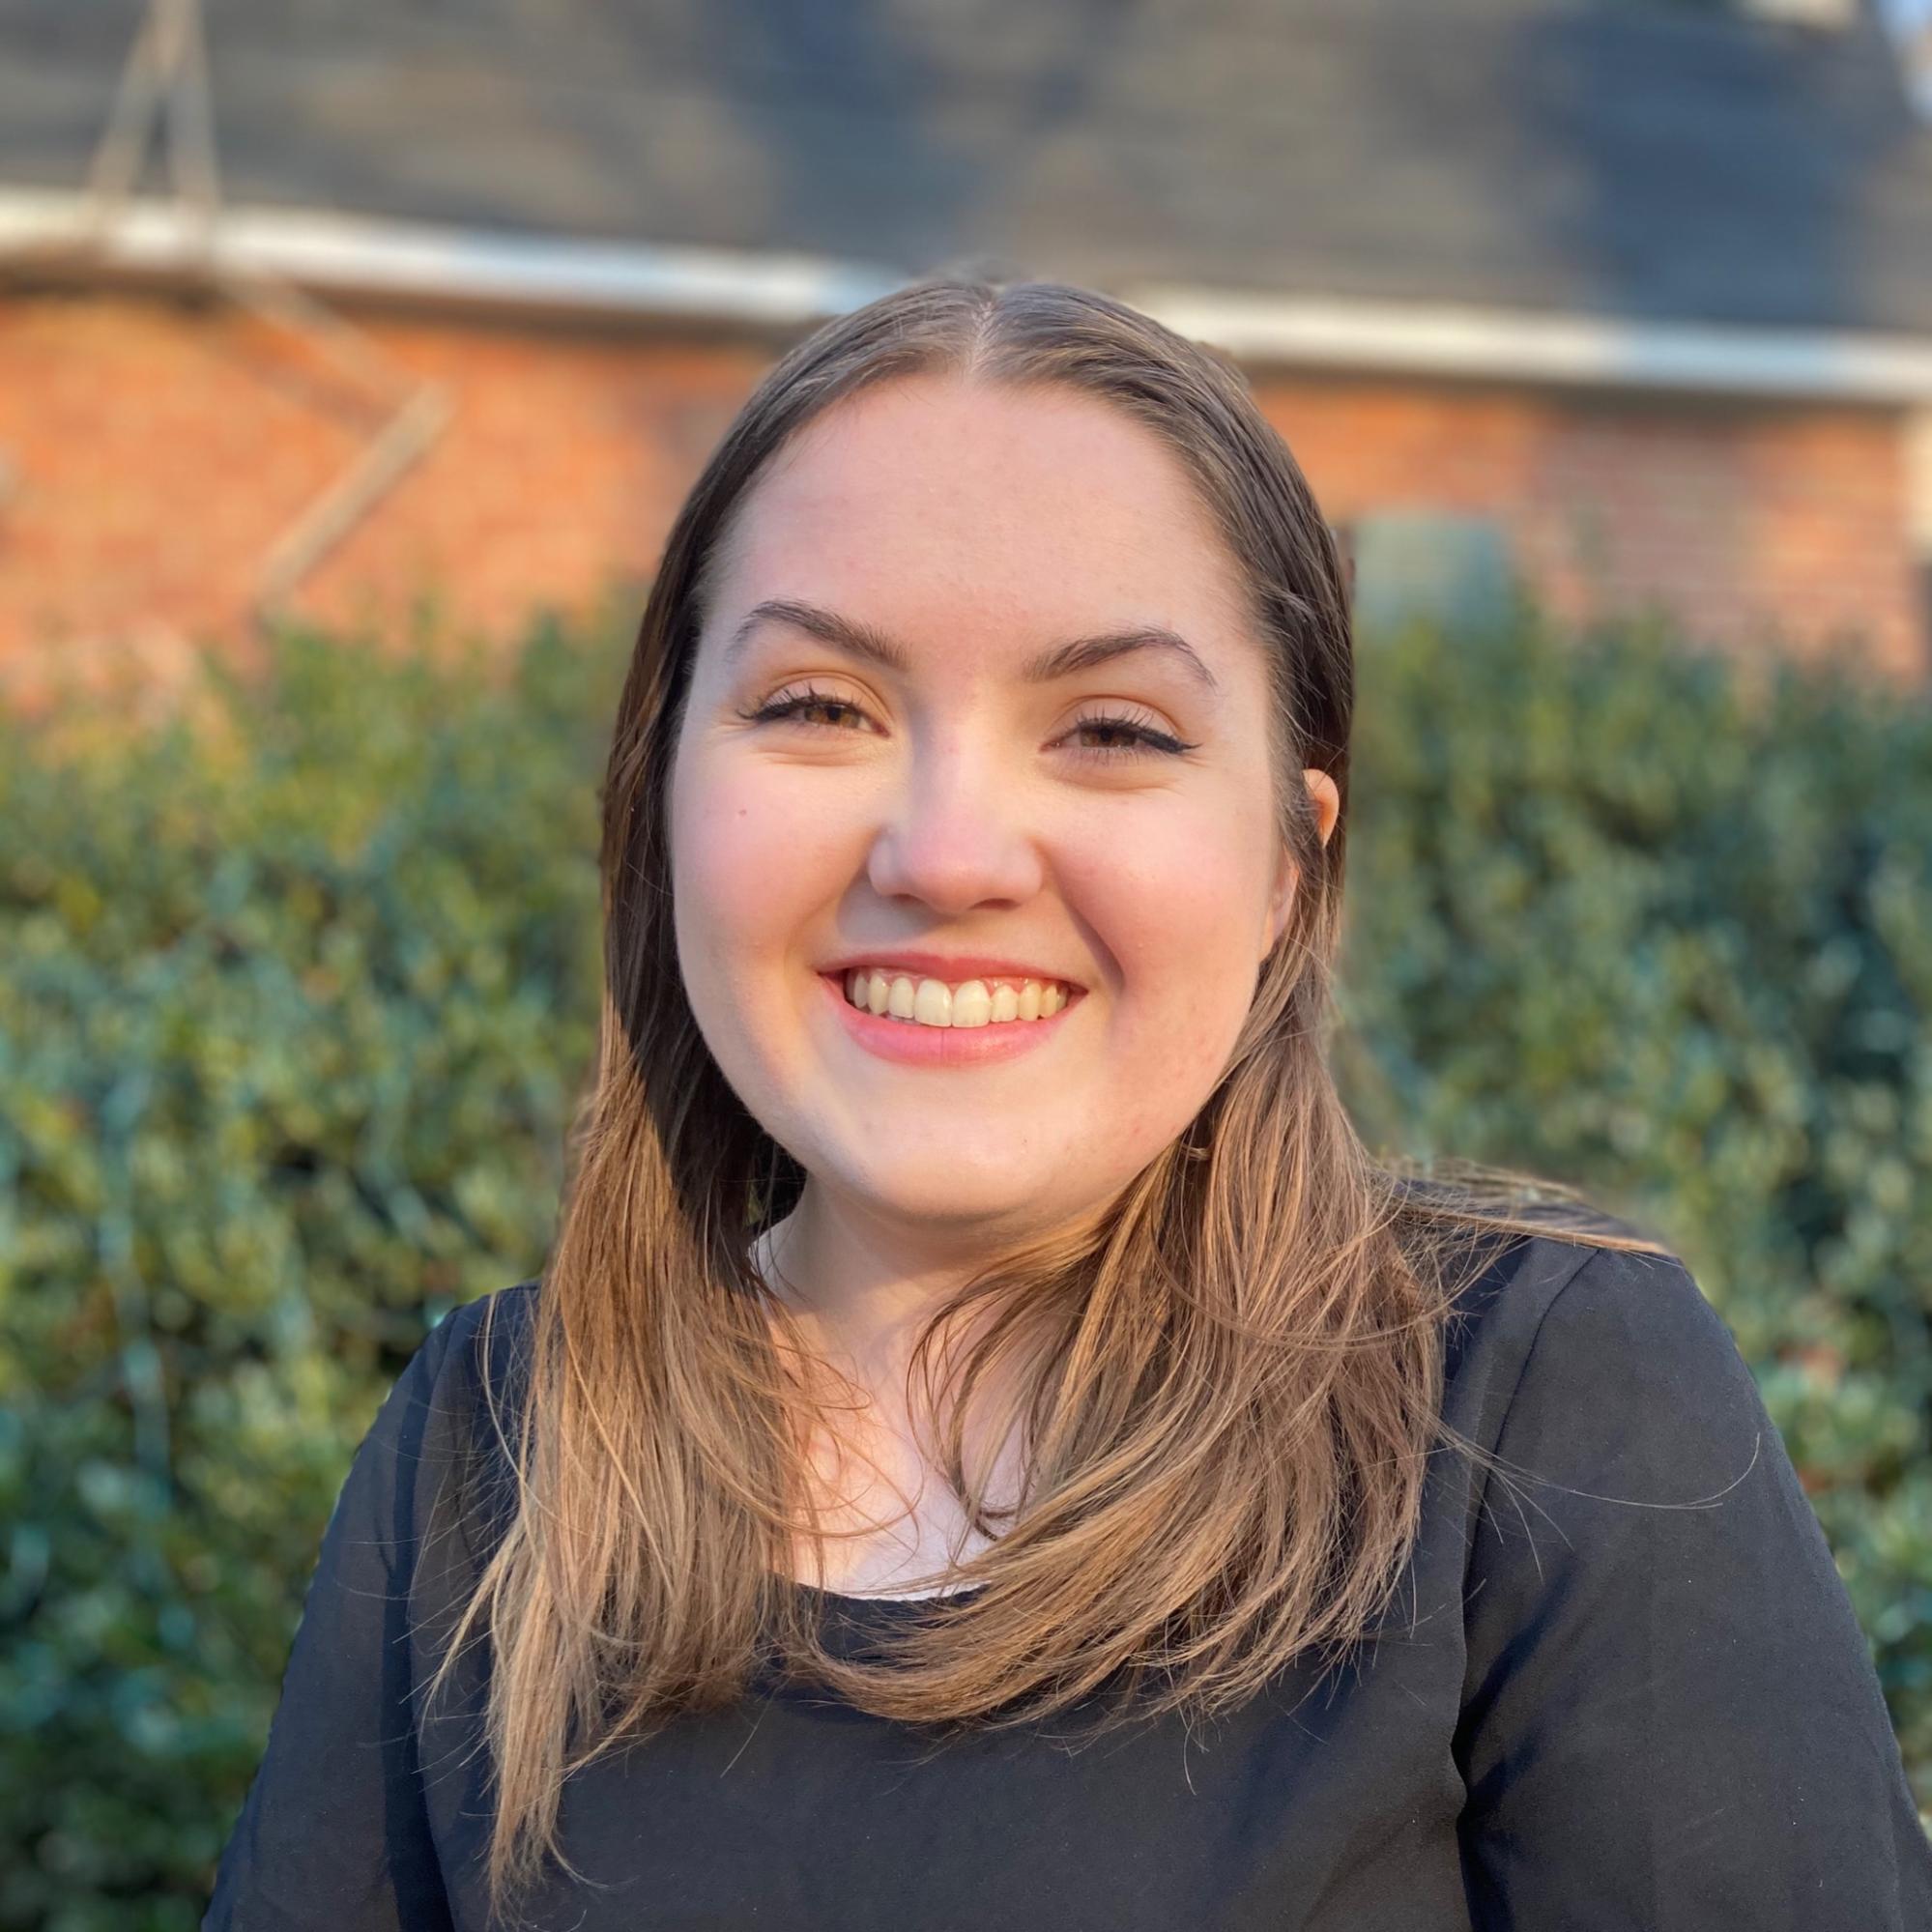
x,y
323,250
1429,338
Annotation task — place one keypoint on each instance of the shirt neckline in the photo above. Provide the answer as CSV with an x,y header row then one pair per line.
x,y
898,1598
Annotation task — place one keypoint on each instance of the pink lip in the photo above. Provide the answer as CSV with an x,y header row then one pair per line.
x,y
952,967
915,1045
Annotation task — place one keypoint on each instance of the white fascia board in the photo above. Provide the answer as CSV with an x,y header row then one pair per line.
x,y
323,249
326,250
1428,338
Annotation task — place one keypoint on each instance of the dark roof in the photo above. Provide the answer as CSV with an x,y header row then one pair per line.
x,y
1641,157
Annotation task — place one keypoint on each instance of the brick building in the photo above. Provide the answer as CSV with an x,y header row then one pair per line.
x,y
1631,299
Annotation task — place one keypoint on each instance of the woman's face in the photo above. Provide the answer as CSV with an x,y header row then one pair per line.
x,y
899,757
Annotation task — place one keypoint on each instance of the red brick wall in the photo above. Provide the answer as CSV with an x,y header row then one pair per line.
x,y
155,450
1754,525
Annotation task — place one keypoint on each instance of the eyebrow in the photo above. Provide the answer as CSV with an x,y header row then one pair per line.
x,y
1057,661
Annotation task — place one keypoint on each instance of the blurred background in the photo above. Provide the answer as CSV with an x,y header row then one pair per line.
x,y
354,360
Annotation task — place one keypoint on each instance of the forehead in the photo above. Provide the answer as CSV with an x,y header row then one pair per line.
x,y
926,501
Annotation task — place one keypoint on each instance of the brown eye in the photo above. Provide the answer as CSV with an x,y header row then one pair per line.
x,y
1139,738
800,704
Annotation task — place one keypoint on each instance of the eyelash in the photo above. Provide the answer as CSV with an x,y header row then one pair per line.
x,y
1147,738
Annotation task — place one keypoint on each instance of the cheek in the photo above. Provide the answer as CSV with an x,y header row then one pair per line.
x,y
748,868
1182,898
1180,901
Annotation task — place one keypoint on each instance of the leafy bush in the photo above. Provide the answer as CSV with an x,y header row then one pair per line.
x,y
294,1007
290,1026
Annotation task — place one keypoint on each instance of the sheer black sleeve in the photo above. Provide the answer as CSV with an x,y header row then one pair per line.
x,y
1670,1717
333,1835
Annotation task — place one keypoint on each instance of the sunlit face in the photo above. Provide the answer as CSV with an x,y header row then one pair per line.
x,y
1109,824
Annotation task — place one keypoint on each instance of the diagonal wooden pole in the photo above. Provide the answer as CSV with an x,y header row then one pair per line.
x,y
166,79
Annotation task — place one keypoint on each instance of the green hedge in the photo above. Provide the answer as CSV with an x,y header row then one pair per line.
x,y
291,1019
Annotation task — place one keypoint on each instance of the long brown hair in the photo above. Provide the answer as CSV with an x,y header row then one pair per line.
x,y
1228,1384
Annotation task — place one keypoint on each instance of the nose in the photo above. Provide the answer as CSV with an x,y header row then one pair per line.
x,y
954,835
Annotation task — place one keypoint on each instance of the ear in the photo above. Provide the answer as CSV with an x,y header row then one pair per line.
x,y
1327,795
1328,807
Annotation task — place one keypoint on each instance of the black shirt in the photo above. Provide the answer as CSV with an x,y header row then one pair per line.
x,y
1593,1711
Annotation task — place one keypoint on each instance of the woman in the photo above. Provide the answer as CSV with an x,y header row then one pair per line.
x,y
990,1447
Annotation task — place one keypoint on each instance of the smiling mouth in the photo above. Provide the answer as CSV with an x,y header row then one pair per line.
x,y
921,1001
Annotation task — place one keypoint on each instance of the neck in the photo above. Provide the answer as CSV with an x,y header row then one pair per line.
x,y
860,1289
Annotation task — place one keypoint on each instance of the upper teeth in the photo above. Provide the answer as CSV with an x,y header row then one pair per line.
x,y
973,1002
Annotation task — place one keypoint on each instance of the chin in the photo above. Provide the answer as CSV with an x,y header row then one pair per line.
x,y
939,1194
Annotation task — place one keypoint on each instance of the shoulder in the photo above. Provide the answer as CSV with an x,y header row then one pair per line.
x,y
1615,1402
1618,1352
444,1431
482,1344
472,1369
1543,1294
1632,1314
